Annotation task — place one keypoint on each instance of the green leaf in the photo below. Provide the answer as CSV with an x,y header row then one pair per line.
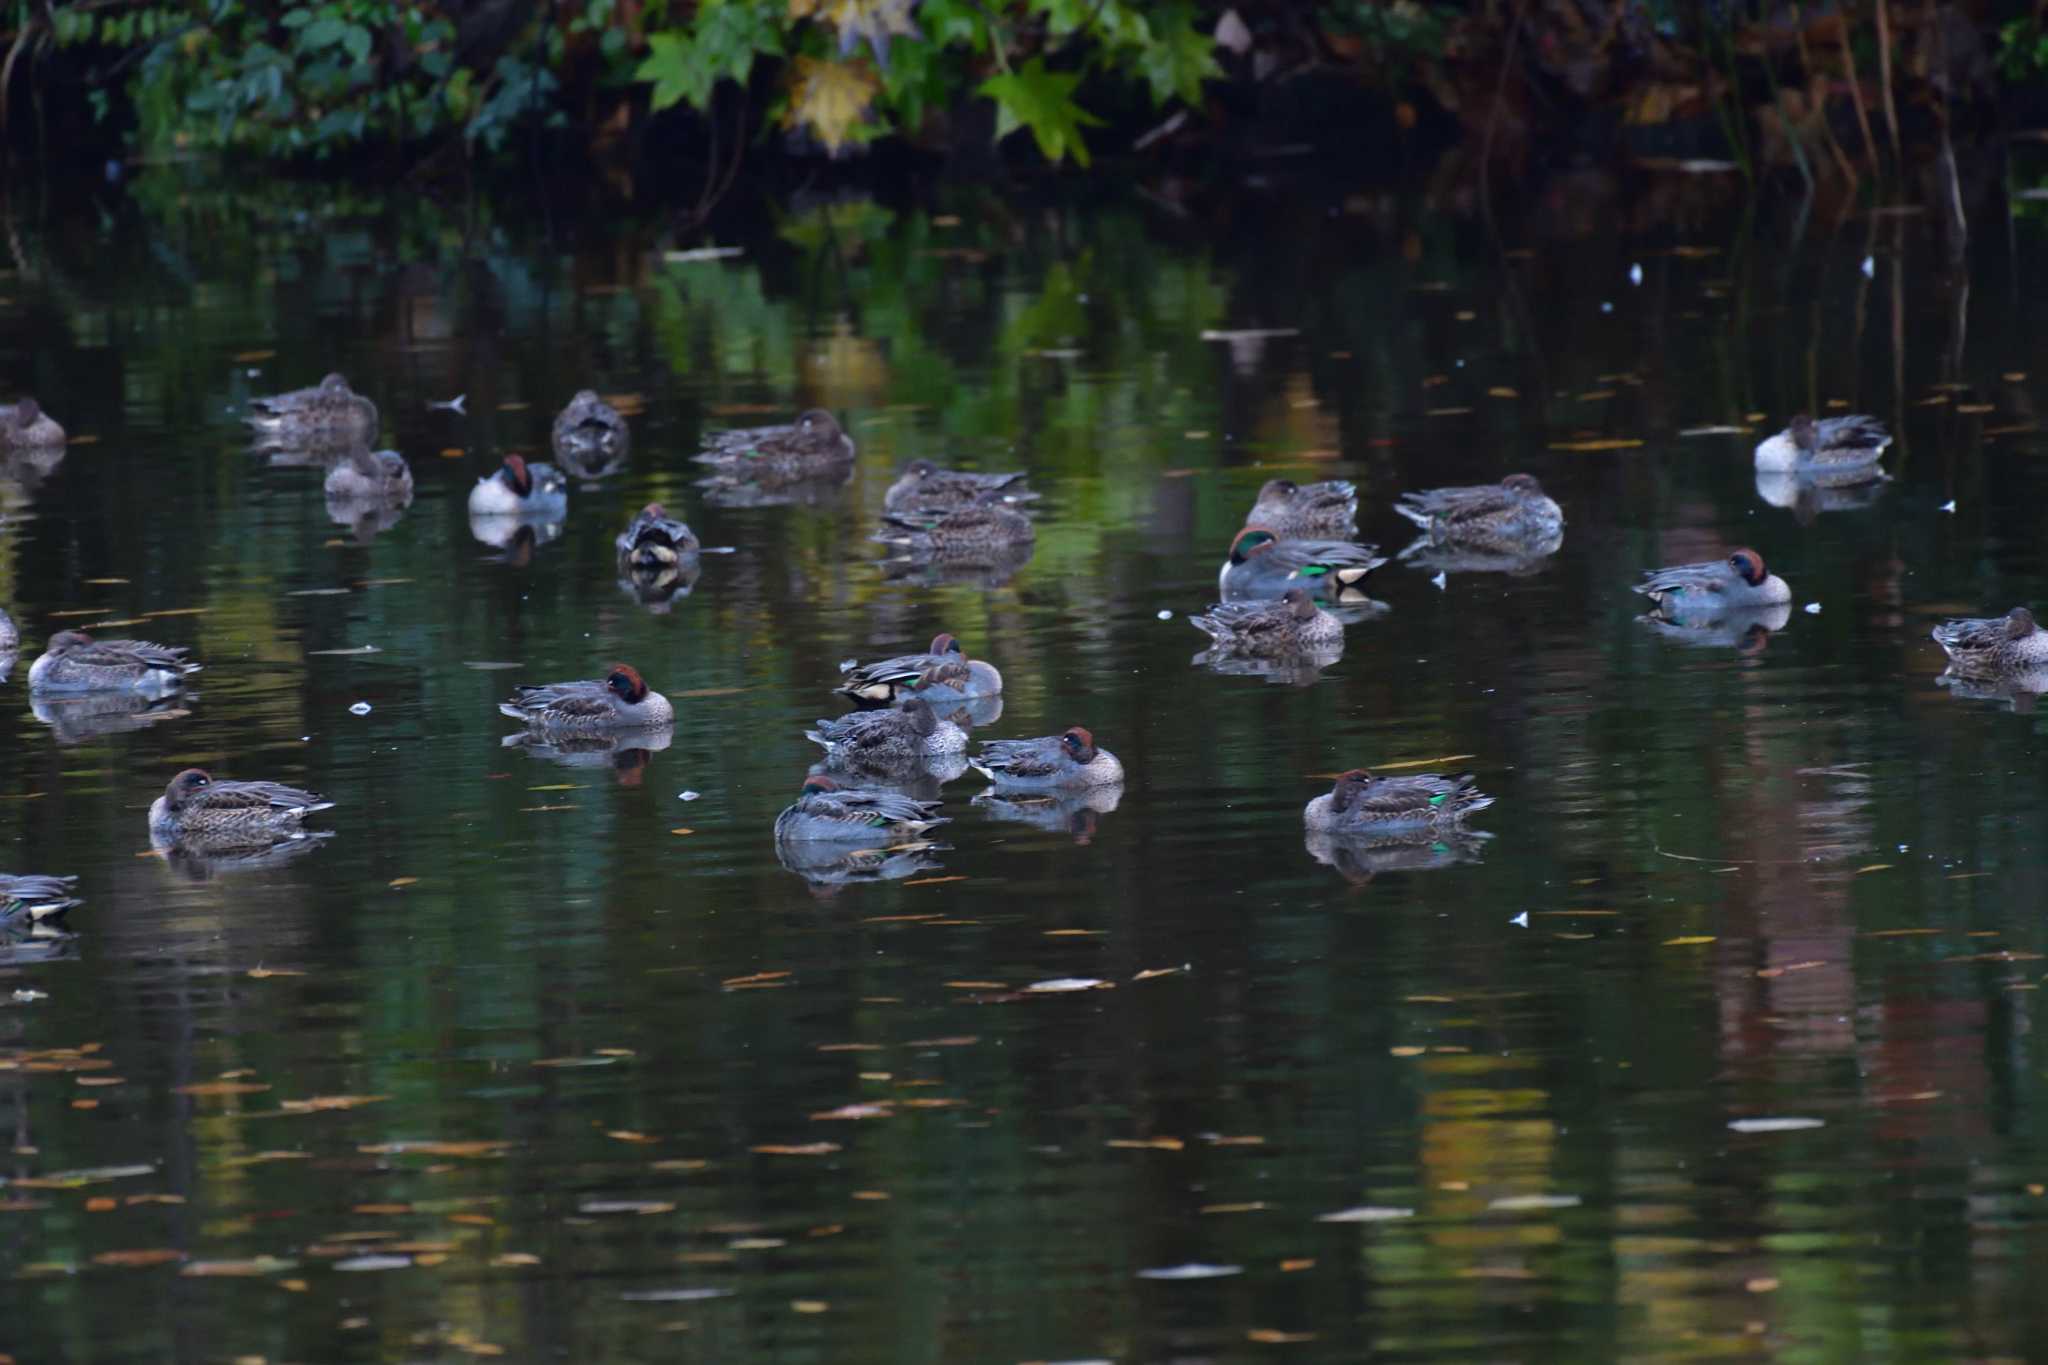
x,y
1043,101
684,65
1178,57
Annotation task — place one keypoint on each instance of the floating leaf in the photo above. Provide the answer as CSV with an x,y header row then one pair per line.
x,y
1778,1125
154,1256
1607,443
796,1149
1366,1213
1689,941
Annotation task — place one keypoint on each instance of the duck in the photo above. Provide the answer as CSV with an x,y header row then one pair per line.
x,y
620,700
924,489
32,899
814,446
824,811
329,412
1829,444
889,741
518,489
24,423
1514,511
72,661
1262,564
196,806
970,533
1364,804
1329,508
371,475
882,683
1054,762
655,539
589,433
1714,587
1986,646
10,634
1292,624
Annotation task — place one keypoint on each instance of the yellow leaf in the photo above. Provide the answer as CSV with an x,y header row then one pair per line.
x,y
1690,942
831,99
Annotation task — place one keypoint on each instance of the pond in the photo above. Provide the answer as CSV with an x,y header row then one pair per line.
x,y
1721,1042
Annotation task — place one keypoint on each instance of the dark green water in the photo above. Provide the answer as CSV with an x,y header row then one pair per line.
x,y
588,1035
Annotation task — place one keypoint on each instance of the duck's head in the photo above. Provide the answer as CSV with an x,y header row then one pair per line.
x,y
2019,623
1278,488
920,469
1749,566
1300,605
816,784
944,643
626,683
334,383
27,412
1079,744
585,398
516,475
1350,786
68,639
1250,541
1524,484
1802,430
185,786
654,511
818,422
922,717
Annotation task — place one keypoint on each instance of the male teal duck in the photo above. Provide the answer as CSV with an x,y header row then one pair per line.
x,y
33,899
1364,804
74,661
518,489
1328,509
24,424
1985,646
1050,763
1831,444
1262,564
198,807
370,476
814,446
1714,588
620,700
589,435
1289,625
924,489
329,413
827,812
882,683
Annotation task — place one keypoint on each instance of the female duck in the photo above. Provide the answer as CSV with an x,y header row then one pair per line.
x,y
1715,588
924,489
1261,564
371,476
589,433
1830,444
23,423
195,805
1291,625
969,533
1306,509
1052,763
812,447
884,682
1983,646
1363,804
518,489
328,413
890,741
828,812
10,634
618,701
1514,510
655,539
73,661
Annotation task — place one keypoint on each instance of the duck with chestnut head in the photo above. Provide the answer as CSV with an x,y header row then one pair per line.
x,y
1262,563
518,489
620,700
1064,761
1714,588
1364,804
1327,509
74,661
198,807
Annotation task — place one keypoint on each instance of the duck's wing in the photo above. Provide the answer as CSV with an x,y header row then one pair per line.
x,y
131,653
1242,620
1021,757
1707,576
1327,558
1972,634
257,796
1422,791
1848,440
887,674
565,700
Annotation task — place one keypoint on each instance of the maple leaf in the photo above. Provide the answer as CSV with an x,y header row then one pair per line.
x,y
831,99
873,20
1043,101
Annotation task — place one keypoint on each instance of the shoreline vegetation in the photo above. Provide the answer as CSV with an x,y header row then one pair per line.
x,y
1841,101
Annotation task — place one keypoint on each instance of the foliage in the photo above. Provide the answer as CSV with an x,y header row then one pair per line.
x,y
2023,49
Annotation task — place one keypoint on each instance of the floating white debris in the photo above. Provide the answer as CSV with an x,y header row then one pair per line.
x,y
343,653
1715,431
687,796
1870,267
1635,274
1193,1270
1165,615
1440,580
1520,921
1948,506
374,1263
1813,608
1786,1125
673,1295
1606,307
1522,1203
702,253
361,708
1248,333
30,997
1061,984
453,405
1365,1213
490,665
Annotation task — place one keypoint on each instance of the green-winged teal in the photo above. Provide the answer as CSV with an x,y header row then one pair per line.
x,y
73,661
1362,803
1066,760
620,700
